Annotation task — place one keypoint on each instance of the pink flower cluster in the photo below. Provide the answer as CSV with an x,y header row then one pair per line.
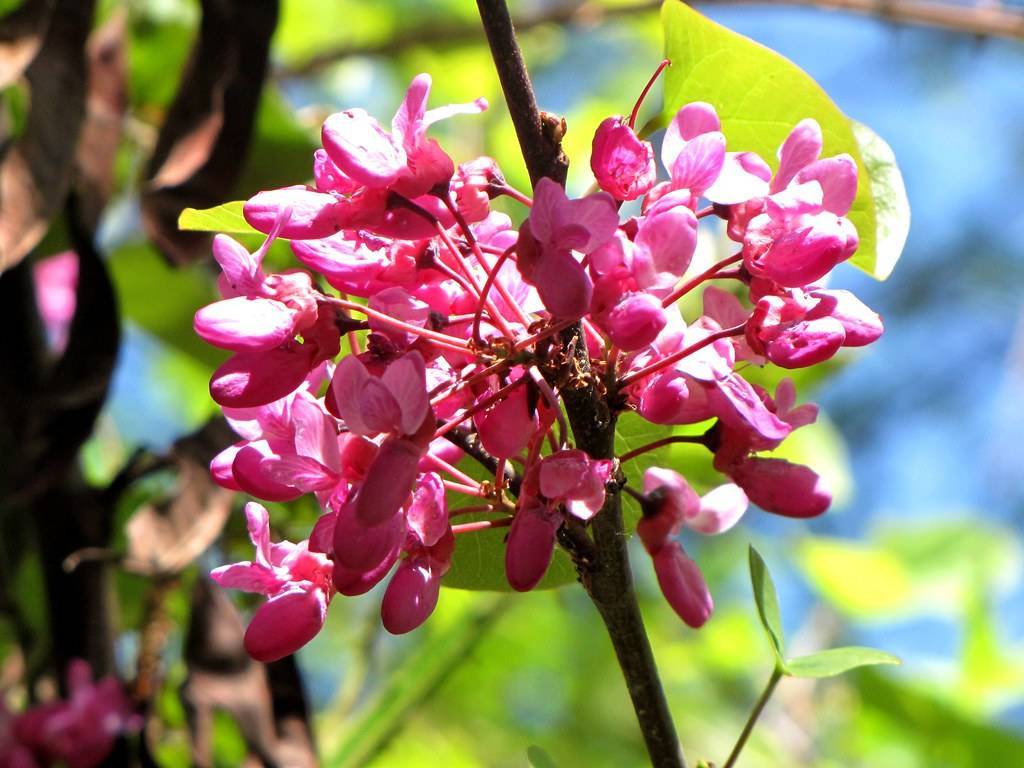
x,y
452,320
78,732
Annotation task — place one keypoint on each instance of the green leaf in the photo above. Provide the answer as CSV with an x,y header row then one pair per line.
x,y
835,661
137,270
426,665
760,95
892,208
539,758
767,601
223,218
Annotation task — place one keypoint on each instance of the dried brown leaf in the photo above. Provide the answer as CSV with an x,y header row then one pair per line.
x,y
106,103
164,541
203,143
21,35
35,173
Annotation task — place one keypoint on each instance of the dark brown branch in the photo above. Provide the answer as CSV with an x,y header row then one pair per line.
x,y
539,134
603,566
979,20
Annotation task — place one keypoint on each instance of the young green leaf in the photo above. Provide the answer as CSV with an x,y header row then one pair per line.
x,y
767,602
759,96
835,661
222,218
892,208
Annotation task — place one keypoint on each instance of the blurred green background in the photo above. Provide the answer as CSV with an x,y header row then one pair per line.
x,y
921,555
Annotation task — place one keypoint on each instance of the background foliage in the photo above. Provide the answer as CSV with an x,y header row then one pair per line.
x,y
921,557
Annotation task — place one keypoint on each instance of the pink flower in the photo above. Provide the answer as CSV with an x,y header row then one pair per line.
x,y
693,151
716,512
412,593
776,485
622,164
405,160
56,283
531,542
797,241
78,732
395,402
557,227
296,581
573,479
671,505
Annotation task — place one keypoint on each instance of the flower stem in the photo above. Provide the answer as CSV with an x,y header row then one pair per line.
x,y
707,274
754,714
695,439
675,357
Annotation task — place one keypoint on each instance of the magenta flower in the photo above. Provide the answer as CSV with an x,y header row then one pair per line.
x,y
622,164
404,160
296,582
671,504
465,338
78,732
558,227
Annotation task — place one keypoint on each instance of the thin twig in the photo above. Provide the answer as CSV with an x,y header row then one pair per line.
x,y
539,138
754,714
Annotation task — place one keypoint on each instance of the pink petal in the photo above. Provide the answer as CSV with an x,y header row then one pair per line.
x,y
410,598
801,148
665,242
241,270
378,408
739,405
220,467
329,177
838,179
313,214
388,481
257,521
720,509
683,585
316,433
352,583
248,577
362,149
806,343
350,378
506,427
561,473
739,181
634,322
251,474
597,215
531,543
724,307
699,163
321,538
407,125
861,324
245,324
285,623
362,548
692,120
563,284
301,472
406,379
250,379
623,165
776,485
427,516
